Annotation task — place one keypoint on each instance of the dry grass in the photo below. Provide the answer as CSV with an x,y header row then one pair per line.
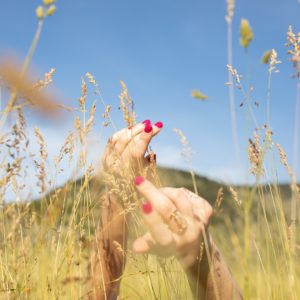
x,y
46,246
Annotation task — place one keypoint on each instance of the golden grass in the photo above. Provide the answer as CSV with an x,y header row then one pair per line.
x,y
46,246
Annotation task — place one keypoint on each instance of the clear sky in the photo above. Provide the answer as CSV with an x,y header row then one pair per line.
x,y
162,50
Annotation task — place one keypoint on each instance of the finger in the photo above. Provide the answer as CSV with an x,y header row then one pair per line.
x,y
143,244
160,202
176,221
138,146
114,138
157,127
140,143
156,226
180,200
146,244
126,135
202,210
118,142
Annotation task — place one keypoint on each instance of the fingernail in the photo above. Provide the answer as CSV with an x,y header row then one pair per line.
x,y
146,122
148,128
146,208
159,124
139,180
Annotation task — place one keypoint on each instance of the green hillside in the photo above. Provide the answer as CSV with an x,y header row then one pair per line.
x,y
170,177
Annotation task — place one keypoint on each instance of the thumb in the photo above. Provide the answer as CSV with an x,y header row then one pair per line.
x,y
143,244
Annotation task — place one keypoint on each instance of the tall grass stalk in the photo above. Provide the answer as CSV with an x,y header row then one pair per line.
x,y
296,129
14,93
46,245
228,18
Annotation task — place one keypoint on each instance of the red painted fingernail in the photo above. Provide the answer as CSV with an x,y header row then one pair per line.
x,y
146,122
147,208
159,124
139,180
148,128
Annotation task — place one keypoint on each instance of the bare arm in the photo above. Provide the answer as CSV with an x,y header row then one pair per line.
x,y
108,261
125,152
210,278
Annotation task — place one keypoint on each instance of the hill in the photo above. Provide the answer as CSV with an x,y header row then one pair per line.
x,y
207,188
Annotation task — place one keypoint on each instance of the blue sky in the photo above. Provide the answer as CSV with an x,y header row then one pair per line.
x,y
162,50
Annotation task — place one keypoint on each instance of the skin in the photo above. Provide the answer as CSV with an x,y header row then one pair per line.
x,y
208,276
206,271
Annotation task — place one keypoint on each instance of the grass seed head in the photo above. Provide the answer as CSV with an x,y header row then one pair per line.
x,y
220,198
246,33
40,13
273,62
230,11
48,2
266,57
199,95
51,10
235,75
235,197
293,43
127,106
255,155
187,152
91,78
82,99
282,154
46,81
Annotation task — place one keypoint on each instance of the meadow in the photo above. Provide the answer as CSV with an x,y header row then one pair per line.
x,y
46,243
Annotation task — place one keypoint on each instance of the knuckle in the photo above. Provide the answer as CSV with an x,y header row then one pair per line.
x,y
191,195
119,137
170,192
184,190
177,193
166,209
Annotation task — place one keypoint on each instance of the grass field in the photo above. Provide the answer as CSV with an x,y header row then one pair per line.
x,y
46,243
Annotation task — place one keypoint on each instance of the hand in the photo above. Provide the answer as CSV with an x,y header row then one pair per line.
x,y
127,148
176,220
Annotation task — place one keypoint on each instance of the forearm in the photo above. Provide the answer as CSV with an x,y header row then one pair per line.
x,y
108,261
210,278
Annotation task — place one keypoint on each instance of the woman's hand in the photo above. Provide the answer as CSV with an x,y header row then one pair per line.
x,y
126,149
177,220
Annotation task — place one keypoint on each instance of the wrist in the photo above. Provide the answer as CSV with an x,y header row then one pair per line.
x,y
199,269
